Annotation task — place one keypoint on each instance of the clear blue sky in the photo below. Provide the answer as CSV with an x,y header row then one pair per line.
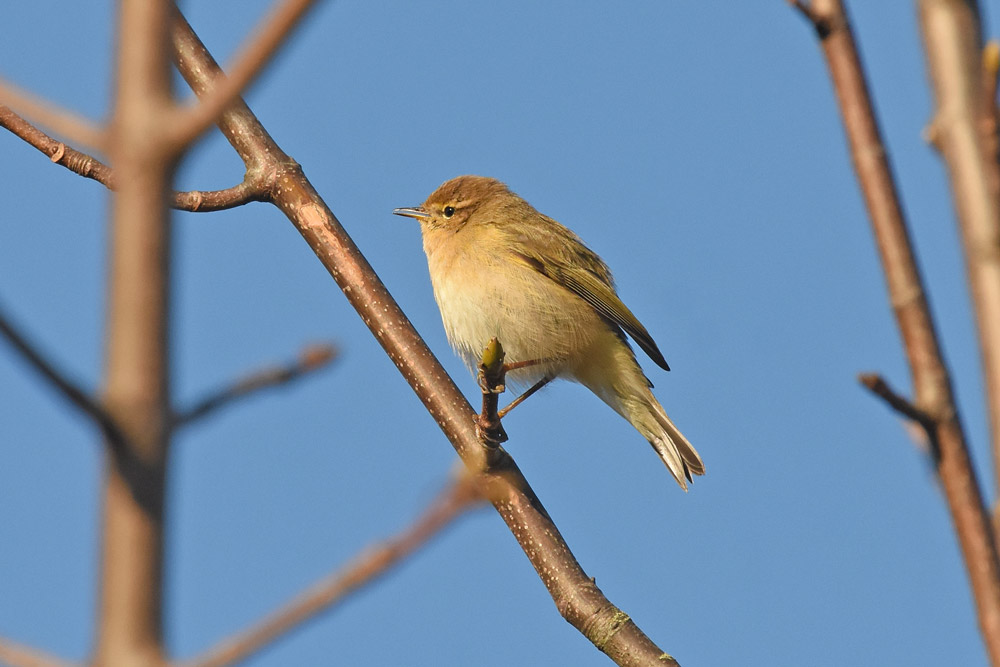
x,y
696,146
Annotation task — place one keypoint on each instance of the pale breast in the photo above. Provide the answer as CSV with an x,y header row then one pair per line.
x,y
490,294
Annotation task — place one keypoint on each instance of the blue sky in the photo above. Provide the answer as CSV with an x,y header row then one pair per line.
x,y
697,148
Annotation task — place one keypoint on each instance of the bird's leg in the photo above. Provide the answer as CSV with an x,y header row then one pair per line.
x,y
492,373
507,368
520,399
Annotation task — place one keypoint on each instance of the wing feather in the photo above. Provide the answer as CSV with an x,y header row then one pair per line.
x,y
599,294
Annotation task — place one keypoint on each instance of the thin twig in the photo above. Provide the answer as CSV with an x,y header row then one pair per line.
x,y
312,358
90,167
13,654
575,594
878,386
921,426
81,399
73,127
460,496
932,383
269,35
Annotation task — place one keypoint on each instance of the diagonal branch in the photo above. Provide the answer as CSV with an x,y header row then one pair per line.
x,y
932,384
81,399
312,358
965,131
252,57
921,426
58,120
18,655
251,189
575,594
459,497
878,386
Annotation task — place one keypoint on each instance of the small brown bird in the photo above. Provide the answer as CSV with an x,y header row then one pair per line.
x,y
501,269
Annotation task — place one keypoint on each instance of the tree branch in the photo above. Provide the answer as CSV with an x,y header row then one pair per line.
x,y
312,358
965,132
878,386
137,362
266,39
574,593
60,121
491,381
81,399
931,381
460,496
89,167
13,654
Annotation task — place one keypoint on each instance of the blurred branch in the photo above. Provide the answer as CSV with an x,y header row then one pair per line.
x,y
932,384
312,358
460,496
83,400
13,654
252,57
251,189
60,121
965,131
137,359
878,386
920,426
576,596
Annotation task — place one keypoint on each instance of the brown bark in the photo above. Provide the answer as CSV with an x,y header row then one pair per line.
x,y
931,381
137,360
964,129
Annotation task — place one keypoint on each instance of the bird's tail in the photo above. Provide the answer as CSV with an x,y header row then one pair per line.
x,y
670,444
612,373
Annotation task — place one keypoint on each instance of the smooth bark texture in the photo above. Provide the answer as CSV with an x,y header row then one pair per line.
x,y
932,385
137,360
964,129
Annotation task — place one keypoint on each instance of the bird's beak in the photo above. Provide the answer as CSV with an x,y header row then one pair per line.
x,y
412,212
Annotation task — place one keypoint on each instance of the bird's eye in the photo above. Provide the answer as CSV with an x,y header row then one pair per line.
x,y
449,211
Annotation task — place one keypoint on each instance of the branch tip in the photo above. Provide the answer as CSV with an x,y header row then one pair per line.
x,y
876,384
317,355
312,358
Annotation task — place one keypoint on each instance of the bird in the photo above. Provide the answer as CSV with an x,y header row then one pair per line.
x,y
501,269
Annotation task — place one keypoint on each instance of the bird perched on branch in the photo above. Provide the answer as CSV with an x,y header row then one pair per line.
x,y
501,269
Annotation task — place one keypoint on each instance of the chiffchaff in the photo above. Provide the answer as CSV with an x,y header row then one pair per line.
x,y
501,269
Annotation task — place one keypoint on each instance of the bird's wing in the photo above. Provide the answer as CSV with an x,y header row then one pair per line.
x,y
602,297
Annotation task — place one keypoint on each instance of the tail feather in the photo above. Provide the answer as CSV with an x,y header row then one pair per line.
x,y
674,449
609,369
